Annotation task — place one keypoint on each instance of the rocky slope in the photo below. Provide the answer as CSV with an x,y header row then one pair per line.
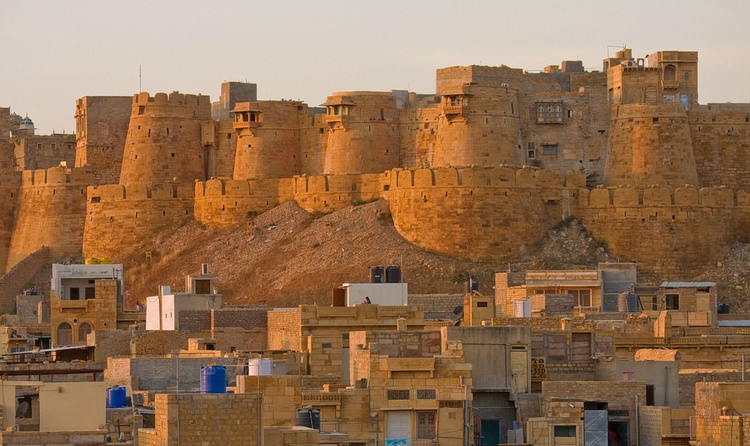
x,y
287,256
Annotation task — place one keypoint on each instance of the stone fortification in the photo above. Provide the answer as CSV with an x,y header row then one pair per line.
x,y
721,138
223,202
10,185
672,232
479,213
164,139
51,212
101,128
362,133
479,170
650,144
119,216
268,139
44,151
479,125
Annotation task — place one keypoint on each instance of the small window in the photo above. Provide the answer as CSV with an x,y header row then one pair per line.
x,y
54,146
326,345
75,294
548,112
394,395
90,292
426,394
565,431
549,149
672,301
686,76
481,304
83,330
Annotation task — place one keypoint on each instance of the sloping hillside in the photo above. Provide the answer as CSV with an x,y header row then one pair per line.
x,y
287,256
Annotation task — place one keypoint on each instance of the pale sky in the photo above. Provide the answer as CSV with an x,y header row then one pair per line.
x,y
53,52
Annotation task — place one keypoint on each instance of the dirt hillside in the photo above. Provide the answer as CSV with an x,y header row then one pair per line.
x,y
287,256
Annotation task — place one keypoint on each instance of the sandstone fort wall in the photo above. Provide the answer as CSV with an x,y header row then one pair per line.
x,y
51,212
164,139
101,129
721,139
119,216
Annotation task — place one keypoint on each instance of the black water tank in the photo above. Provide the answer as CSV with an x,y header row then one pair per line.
x,y
393,274
377,274
308,418
723,309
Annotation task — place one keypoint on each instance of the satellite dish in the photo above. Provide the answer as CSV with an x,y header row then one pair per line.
x,y
23,407
458,310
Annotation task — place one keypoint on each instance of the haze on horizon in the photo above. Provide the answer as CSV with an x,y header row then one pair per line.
x,y
54,52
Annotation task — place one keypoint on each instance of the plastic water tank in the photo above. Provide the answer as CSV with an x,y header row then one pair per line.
x,y
213,379
116,397
260,367
377,274
393,274
308,418
722,309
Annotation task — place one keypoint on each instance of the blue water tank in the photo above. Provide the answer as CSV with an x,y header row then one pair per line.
x,y
116,397
213,379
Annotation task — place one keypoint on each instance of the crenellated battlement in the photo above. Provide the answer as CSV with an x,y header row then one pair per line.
x,y
174,98
659,196
57,176
110,193
478,177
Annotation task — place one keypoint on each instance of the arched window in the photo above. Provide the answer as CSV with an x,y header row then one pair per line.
x,y
669,73
64,334
83,330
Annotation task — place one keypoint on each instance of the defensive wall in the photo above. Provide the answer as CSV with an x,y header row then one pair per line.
x,y
672,232
101,128
119,217
721,140
650,144
10,185
489,214
50,212
164,139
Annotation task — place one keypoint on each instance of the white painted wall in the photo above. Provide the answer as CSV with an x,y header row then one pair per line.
x,y
379,293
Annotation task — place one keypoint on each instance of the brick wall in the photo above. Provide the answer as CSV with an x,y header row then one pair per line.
x,y
204,418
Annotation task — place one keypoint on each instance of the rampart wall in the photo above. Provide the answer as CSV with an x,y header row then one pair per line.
x,y
101,128
119,216
364,136
164,139
671,232
10,185
650,144
51,212
721,140
478,213
223,202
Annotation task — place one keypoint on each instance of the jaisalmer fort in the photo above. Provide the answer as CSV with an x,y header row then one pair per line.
x,y
484,167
